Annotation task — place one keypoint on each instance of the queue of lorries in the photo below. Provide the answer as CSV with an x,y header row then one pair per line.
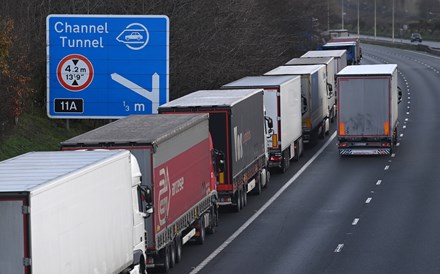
x,y
127,196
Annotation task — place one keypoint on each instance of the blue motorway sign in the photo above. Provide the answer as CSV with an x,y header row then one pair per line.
x,y
106,66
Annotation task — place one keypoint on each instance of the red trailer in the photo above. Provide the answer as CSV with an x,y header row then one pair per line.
x,y
175,156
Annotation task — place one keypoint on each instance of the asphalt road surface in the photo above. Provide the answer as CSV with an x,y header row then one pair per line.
x,y
332,214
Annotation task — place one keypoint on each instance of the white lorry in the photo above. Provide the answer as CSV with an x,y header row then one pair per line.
x,y
71,212
329,63
368,99
315,118
282,103
340,56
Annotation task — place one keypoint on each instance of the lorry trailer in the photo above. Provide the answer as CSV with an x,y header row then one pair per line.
x,y
175,157
368,100
71,212
282,103
236,123
315,118
329,63
340,56
352,48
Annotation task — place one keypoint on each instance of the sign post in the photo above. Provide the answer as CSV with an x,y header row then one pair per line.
x,y
106,66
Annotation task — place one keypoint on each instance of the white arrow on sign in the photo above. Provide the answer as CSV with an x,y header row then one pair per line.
x,y
152,95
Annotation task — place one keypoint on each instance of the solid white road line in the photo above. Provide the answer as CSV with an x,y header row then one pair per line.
x,y
262,209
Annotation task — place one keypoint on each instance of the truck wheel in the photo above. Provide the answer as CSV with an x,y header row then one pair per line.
x,y
178,246
172,250
244,197
165,260
202,233
297,150
237,200
214,219
142,267
321,135
286,162
314,136
259,189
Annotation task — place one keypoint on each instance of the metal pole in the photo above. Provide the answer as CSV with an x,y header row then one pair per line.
x,y
358,18
393,22
342,14
328,14
374,19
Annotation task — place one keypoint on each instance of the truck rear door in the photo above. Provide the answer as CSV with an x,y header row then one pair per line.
x,y
364,107
13,236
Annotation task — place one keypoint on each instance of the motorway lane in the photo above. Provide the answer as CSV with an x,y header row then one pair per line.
x,y
328,219
398,231
302,229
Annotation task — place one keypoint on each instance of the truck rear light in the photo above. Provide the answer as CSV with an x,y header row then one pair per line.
x,y
275,158
150,260
342,129
275,140
308,123
386,128
225,199
221,177
385,144
343,144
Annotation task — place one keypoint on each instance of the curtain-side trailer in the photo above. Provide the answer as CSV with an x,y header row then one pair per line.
x,y
340,56
236,123
282,103
329,63
174,154
315,118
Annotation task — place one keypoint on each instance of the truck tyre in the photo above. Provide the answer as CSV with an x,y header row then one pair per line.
x,y
286,162
164,256
214,219
172,250
142,266
314,136
322,133
178,246
244,197
259,189
297,150
237,201
202,232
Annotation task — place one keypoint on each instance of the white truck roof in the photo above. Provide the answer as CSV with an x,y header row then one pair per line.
x,y
379,69
261,81
324,53
340,43
310,60
295,70
214,97
33,170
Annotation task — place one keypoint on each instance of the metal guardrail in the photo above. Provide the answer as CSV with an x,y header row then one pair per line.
x,y
418,47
